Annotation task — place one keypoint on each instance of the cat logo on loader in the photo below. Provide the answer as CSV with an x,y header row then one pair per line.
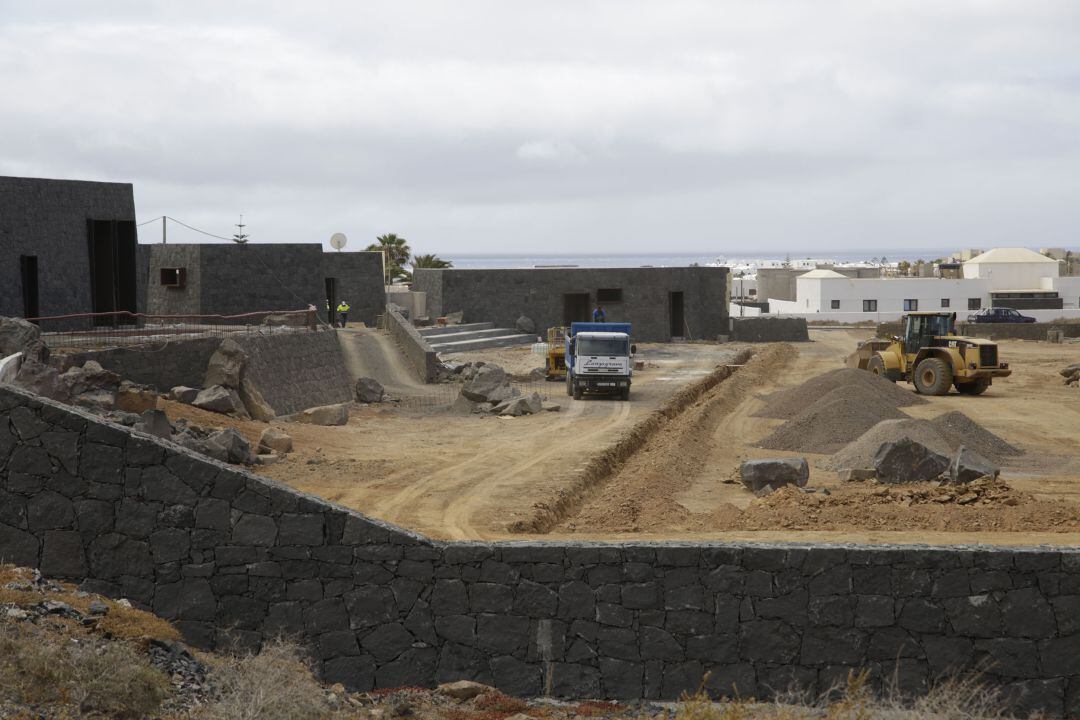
x,y
932,356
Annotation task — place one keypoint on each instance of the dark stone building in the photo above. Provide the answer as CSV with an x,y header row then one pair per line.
x,y
662,303
230,279
66,246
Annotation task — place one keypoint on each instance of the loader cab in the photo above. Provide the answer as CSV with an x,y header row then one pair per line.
x,y
921,329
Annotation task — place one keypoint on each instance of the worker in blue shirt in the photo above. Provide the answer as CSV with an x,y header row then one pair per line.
x,y
598,315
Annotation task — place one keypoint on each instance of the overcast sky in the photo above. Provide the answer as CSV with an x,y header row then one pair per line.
x,y
589,127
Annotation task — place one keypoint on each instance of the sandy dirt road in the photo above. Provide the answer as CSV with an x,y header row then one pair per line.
x,y
461,476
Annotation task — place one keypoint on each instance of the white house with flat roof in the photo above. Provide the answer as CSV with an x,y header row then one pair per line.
x,y
1004,277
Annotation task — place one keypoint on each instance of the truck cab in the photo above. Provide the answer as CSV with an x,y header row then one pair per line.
x,y
598,359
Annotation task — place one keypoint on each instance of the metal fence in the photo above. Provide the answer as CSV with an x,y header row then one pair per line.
x,y
128,329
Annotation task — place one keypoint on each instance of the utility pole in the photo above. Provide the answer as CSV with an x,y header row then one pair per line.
x,y
164,220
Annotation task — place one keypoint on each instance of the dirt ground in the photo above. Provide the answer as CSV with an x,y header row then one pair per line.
x,y
474,477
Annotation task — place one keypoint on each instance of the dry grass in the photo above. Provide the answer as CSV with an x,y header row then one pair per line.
x,y
956,699
276,684
113,680
121,622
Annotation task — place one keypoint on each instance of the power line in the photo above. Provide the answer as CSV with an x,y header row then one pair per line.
x,y
150,221
189,227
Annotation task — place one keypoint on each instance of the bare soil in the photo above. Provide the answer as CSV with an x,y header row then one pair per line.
x,y
479,477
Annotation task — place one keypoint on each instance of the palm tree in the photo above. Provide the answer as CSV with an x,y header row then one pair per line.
x,y
430,261
395,252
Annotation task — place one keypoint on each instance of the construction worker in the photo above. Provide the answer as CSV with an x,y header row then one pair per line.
x,y
598,315
343,312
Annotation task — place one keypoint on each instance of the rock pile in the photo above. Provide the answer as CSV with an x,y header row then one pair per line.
x,y
1072,375
226,388
487,389
908,461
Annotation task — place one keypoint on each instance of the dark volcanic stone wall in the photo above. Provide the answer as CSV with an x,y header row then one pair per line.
x,y
501,296
424,360
233,559
47,218
769,329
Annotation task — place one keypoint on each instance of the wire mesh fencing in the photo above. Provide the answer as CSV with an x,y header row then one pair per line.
x,y
96,331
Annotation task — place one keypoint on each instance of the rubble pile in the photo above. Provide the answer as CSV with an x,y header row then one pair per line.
x,y
1071,374
487,389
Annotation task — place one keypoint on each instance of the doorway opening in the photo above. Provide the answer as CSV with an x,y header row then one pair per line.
x,y
331,301
576,308
28,268
112,269
678,318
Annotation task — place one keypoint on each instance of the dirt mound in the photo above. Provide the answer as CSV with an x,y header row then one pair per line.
x,y
962,430
792,401
983,505
834,419
944,434
860,452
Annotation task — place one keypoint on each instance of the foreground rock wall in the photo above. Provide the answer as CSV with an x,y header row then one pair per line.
x,y
234,558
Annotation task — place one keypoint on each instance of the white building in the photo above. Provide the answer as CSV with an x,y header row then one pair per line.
x,y
1005,277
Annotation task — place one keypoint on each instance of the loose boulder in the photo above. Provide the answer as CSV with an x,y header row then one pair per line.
x,y
525,325
463,689
906,461
968,465
156,423
487,385
43,380
254,402
769,474
519,406
220,400
90,377
16,335
369,390
184,394
225,365
134,398
228,445
274,440
325,415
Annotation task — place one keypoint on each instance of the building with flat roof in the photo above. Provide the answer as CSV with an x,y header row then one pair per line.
x,y
660,303
67,246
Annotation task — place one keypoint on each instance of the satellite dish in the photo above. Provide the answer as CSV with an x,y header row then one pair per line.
x,y
338,241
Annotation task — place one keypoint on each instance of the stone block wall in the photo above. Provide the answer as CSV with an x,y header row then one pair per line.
x,y
233,559
293,370
424,360
760,329
996,331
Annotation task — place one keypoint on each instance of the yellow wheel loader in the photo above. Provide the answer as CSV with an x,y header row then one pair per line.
x,y
555,361
932,357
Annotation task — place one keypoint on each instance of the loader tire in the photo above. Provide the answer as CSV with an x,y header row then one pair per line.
x,y
876,366
973,388
933,377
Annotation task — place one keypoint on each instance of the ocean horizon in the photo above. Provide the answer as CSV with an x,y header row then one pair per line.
x,y
529,260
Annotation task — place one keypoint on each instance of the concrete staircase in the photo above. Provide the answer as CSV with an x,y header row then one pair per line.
x,y
473,336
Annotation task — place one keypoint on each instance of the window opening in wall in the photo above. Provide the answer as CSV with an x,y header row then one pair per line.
x,y
576,308
911,305
869,305
834,304
944,302
974,303
174,277
28,269
609,295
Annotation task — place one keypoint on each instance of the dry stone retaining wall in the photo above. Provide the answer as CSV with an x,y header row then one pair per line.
x,y
424,360
769,329
233,558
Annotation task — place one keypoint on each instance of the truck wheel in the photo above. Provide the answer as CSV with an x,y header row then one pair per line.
x,y
624,394
577,391
933,377
876,366
977,387
569,385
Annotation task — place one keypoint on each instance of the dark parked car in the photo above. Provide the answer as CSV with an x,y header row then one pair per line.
x,y
998,315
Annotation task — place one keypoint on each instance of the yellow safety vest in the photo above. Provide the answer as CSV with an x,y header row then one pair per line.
x,y
343,307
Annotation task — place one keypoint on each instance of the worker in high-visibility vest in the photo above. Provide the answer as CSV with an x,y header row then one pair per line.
x,y
343,312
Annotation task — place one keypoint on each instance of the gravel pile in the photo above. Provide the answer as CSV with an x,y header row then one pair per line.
x,y
962,430
944,435
860,453
834,419
788,403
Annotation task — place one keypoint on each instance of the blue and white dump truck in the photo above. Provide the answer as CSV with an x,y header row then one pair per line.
x,y
598,359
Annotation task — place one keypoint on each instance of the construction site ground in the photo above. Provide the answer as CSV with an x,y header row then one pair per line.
x,y
463,476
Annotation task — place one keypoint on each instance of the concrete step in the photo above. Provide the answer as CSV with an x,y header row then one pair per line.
x,y
509,338
436,330
469,335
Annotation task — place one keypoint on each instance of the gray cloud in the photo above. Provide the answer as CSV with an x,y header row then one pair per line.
x,y
490,126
